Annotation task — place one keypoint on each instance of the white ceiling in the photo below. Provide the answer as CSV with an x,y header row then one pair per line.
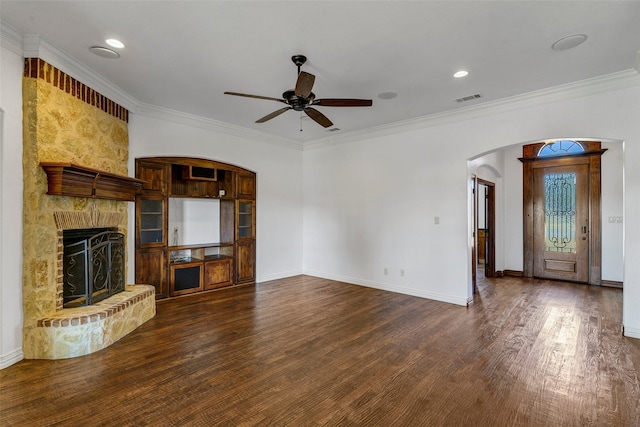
x,y
182,55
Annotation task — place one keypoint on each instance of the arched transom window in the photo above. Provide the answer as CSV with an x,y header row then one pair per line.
x,y
561,147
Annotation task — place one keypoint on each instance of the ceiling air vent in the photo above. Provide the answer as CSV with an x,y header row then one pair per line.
x,y
469,98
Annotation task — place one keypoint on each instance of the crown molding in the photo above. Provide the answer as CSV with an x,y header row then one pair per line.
x,y
580,89
10,38
33,46
165,114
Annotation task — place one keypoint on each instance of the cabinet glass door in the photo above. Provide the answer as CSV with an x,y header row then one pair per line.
x,y
151,221
245,220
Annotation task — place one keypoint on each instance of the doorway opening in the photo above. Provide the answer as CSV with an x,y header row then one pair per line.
x,y
484,229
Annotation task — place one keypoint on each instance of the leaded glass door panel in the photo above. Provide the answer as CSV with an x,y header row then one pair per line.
x,y
561,222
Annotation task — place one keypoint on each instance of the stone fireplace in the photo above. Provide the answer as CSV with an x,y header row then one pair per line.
x,y
66,121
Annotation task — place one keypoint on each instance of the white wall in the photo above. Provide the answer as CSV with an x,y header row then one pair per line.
x,y
193,221
279,182
512,183
11,67
612,209
371,203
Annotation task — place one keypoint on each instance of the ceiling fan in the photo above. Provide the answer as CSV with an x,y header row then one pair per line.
x,y
302,99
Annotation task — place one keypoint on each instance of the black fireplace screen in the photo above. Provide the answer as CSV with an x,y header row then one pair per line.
x,y
93,266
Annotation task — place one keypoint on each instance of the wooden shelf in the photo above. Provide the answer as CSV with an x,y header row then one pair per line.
x,y
68,179
199,245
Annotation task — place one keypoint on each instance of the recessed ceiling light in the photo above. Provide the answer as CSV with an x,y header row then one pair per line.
x,y
387,95
115,43
569,42
104,52
460,74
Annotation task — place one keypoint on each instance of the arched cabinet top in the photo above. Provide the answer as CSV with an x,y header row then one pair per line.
x,y
196,161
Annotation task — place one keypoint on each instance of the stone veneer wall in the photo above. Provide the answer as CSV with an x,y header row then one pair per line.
x,y
63,121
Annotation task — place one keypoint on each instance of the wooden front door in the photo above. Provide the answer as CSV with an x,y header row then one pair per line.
x,y
561,222
558,242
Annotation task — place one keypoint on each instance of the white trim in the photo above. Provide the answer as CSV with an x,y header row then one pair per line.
x,y
614,81
391,288
11,358
283,275
10,38
631,332
166,114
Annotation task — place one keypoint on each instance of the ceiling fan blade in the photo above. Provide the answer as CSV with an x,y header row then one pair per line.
x,y
304,84
318,117
272,115
343,102
255,96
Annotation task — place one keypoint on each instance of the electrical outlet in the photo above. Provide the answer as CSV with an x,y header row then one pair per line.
x,y
402,272
386,271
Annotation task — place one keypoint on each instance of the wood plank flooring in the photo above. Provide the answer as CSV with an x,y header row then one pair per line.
x,y
305,351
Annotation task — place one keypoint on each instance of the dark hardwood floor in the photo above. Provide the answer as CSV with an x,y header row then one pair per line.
x,y
305,351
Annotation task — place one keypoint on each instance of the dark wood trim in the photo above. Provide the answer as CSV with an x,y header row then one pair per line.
x,y
612,284
68,179
564,156
195,161
490,224
513,273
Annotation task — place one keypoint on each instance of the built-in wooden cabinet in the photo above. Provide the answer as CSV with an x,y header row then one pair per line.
x,y
245,237
151,221
151,268
246,261
154,176
245,185
246,219
177,267
218,273
186,278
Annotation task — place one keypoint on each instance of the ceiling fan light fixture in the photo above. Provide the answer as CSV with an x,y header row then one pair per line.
x,y
460,74
302,99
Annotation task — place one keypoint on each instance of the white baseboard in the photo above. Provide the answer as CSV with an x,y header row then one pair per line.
x,y
276,276
451,299
632,332
11,358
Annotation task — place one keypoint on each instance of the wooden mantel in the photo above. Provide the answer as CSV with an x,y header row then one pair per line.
x,y
67,179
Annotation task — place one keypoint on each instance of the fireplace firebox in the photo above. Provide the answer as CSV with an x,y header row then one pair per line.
x,y
93,265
